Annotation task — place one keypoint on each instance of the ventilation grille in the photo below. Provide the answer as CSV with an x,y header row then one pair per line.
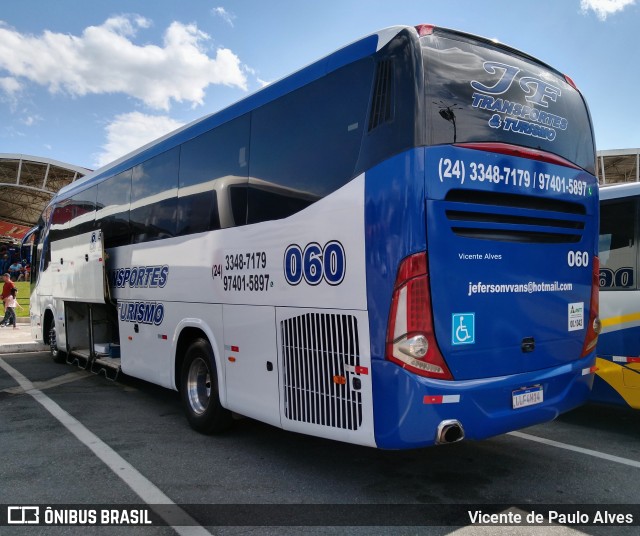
x,y
381,104
514,218
320,353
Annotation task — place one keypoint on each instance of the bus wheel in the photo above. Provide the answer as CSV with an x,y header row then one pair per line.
x,y
199,390
56,355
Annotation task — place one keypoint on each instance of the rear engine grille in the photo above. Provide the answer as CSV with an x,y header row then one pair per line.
x,y
320,353
514,218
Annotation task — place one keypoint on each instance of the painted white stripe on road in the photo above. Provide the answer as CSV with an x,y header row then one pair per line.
x,y
180,521
588,452
54,382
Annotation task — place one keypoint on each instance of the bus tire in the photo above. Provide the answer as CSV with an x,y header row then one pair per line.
x,y
57,355
199,390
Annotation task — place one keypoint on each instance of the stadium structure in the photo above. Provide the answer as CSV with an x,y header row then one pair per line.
x,y
618,165
27,184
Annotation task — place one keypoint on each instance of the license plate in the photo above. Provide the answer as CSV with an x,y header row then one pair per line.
x,y
528,396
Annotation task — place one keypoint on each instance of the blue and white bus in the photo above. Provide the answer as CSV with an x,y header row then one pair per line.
x,y
395,246
617,378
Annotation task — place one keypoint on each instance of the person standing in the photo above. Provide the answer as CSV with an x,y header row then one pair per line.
x,y
6,290
8,285
10,305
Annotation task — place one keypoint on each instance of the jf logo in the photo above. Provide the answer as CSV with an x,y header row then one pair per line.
x,y
463,328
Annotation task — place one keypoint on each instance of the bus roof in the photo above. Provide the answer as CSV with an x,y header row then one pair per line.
x,y
616,191
359,49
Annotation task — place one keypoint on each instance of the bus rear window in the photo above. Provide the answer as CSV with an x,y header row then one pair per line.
x,y
476,92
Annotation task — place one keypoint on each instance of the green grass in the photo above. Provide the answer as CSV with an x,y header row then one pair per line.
x,y
23,298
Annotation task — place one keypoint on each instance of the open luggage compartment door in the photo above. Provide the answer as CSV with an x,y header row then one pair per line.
x,y
78,266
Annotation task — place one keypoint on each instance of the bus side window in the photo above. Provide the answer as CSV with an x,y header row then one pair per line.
x,y
83,211
213,178
59,217
618,245
154,190
74,215
305,145
46,256
391,125
112,209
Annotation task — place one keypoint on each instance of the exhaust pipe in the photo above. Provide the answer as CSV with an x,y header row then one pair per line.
x,y
449,431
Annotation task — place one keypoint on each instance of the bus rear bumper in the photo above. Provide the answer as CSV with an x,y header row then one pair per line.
x,y
410,409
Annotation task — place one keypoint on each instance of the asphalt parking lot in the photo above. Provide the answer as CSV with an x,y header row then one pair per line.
x,y
72,438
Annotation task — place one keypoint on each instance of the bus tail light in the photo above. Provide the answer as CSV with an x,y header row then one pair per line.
x,y
425,29
411,342
593,327
571,82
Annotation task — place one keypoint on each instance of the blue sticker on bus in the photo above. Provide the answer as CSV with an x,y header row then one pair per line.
x,y
463,328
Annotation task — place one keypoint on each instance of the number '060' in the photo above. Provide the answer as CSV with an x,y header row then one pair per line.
x,y
315,263
578,258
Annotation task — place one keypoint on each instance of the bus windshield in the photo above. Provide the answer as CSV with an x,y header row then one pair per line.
x,y
479,92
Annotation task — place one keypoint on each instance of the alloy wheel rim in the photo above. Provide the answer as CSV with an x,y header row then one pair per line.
x,y
199,386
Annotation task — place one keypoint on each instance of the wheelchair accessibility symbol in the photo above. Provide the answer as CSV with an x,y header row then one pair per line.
x,y
463,328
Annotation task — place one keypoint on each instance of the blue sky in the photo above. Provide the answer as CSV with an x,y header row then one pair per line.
x,y
85,82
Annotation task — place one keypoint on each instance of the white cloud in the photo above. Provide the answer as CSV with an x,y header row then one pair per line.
x,y
604,8
10,89
130,131
10,86
104,59
262,83
224,15
31,120
126,25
